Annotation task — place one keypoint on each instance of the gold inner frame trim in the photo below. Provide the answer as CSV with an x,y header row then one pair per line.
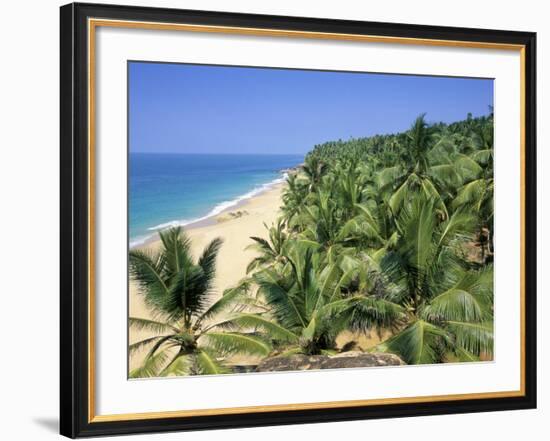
x,y
92,25
300,406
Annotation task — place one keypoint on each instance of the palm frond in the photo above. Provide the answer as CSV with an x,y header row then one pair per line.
x,y
188,294
469,168
261,245
134,347
431,192
447,175
206,364
454,304
363,313
459,223
476,338
461,355
287,309
389,175
148,270
140,324
360,227
224,304
180,365
470,194
398,197
417,223
257,323
207,260
158,344
151,367
482,157
232,343
175,250
419,343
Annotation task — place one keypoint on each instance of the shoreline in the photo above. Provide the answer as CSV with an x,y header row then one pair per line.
x,y
212,217
233,257
242,220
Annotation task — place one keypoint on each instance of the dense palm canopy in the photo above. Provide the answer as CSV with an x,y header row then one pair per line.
x,y
390,233
387,233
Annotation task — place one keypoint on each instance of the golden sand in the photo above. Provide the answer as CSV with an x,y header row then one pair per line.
x,y
234,226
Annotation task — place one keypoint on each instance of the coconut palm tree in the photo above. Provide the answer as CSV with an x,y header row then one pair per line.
x,y
270,252
449,304
306,307
405,219
332,223
411,174
477,196
185,338
294,195
314,169
350,182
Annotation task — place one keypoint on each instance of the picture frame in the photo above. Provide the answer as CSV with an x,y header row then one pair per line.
x,y
79,133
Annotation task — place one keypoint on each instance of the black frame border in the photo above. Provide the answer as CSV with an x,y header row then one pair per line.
x,y
74,220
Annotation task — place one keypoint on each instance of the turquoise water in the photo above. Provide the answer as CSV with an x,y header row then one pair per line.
x,y
178,189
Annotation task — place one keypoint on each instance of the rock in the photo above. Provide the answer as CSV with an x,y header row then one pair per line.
x,y
361,359
354,359
297,362
243,369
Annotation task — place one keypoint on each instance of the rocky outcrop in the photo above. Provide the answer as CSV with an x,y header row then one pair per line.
x,y
354,359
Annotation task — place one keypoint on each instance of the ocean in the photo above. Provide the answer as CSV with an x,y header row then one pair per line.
x,y
178,189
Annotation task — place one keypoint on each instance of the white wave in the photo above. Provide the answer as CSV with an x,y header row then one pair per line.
x,y
140,241
221,207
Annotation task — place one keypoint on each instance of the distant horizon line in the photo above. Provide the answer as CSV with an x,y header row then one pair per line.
x,y
390,133
221,153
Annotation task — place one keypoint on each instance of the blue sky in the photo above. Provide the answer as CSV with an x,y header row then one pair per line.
x,y
213,109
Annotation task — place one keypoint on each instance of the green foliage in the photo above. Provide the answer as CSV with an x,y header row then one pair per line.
x,y
378,234
419,343
187,337
387,233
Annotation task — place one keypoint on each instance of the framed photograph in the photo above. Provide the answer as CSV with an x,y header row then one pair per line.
x,y
274,220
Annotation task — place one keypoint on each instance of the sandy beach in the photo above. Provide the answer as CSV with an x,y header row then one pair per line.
x,y
235,226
